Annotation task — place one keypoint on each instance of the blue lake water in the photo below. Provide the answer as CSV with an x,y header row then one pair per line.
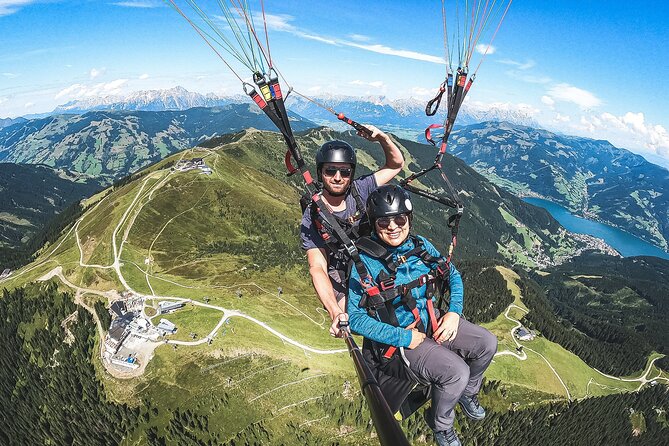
x,y
626,244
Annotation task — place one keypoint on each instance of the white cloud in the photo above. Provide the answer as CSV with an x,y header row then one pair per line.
x,y
282,23
3,99
315,89
548,101
69,91
408,54
359,37
8,7
375,84
519,65
561,118
586,125
630,131
95,72
568,93
114,85
422,93
29,105
144,76
279,22
139,4
78,91
10,75
484,48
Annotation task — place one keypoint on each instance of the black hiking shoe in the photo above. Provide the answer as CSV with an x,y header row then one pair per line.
x,y
447,438
471,407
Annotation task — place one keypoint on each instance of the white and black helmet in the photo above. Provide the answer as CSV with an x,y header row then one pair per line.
x,y
388,200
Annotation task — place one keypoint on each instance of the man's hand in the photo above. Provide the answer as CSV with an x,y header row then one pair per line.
x,y
376,135
448,327
416,338
335,330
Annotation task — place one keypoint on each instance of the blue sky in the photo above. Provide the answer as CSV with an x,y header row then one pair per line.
x,y
590,68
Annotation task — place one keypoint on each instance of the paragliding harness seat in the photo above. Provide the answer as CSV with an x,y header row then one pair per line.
x,y
356,226
403,390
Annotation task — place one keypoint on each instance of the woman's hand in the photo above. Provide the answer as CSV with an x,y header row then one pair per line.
x,y
416,338
448,327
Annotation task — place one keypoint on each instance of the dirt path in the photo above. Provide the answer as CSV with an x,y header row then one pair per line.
x,y
523,356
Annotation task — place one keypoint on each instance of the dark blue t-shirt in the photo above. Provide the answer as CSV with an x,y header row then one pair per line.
x,y
309,234
311,238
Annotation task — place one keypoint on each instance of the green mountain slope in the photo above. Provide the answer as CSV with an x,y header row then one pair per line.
x,y
31,196
250,364
113,144
592,178
613,312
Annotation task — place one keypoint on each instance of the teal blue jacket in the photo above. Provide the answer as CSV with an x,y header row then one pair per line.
x,y
372,328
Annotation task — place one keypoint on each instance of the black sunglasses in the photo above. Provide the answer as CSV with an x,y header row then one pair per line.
x,y
400,221
345,172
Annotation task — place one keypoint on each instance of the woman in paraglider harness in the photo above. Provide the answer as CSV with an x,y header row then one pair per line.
x,y
413,347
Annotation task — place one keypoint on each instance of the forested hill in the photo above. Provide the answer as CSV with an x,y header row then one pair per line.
x,y
592,178
612,312
31,196
113,144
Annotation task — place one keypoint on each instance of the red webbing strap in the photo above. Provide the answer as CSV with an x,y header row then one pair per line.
x,y
433,317
392,349
428,133
291,169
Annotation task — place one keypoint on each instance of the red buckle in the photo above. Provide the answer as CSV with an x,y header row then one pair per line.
x,y
390,352
373,291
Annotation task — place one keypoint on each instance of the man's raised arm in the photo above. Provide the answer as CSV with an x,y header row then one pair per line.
x,y
394,158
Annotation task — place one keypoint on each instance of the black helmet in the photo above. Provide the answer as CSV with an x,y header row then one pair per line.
x,y
335,152
388,200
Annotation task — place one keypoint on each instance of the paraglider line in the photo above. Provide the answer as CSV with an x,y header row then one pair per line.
x,y
493,36
205,39
264,19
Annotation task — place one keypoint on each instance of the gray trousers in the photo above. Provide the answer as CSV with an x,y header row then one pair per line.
x,y
453,368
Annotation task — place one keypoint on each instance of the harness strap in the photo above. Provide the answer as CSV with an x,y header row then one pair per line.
x,y
433,316
359,205
392,349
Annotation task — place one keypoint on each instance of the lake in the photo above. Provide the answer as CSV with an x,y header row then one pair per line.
x,y
625,243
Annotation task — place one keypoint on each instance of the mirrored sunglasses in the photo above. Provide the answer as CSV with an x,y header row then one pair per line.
x,y
400,220
345,172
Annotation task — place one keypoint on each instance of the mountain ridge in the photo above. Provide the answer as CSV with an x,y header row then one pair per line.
x,y
112,144
592,178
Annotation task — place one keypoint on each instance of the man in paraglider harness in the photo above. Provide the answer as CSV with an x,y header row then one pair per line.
x,y
329,262
410,343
